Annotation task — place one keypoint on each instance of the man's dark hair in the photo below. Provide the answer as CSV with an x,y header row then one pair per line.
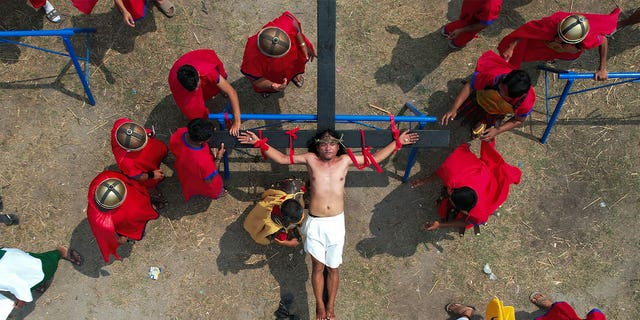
x,y
188,77
464,198
291,212
518,83
312,145
200,129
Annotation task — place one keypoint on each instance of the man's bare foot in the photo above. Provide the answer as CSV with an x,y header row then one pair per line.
x,y
331,315
320,312
540,300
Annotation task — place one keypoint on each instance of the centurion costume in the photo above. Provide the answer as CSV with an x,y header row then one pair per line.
x,y
136,150
117,207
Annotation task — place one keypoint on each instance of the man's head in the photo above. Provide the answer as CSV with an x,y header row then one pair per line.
x,y
573,29
292,213
131,136
188,77
273,42
200,130
516,83
464,198
327,144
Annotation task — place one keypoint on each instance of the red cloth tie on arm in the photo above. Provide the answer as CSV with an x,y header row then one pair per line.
x,y
396,133
366,153
292,136
227,122
262,144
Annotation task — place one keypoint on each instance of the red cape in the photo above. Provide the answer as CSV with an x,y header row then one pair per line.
x,y
135,163
256,65
534,34
489,176
194,166
137,8
563,311
210,68
129,219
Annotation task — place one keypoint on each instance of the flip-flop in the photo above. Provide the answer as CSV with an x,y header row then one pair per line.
x,y
9,219
538,302
74,257
167,8
458,311
54,16
298,83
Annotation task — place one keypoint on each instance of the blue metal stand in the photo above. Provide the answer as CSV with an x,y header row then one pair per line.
x,y
66,35
571,77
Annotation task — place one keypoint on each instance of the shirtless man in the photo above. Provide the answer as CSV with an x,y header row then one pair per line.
x,y
327,164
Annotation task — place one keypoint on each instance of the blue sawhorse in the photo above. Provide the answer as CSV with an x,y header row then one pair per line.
x,y
571,77
66,35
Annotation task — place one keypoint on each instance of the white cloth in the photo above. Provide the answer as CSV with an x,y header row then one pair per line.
x,y
19,272
325,239
6,306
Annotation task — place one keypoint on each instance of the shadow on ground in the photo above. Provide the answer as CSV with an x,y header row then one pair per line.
x,y
412,59
287,265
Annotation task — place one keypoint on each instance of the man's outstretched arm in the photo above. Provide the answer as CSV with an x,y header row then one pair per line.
x,y
404,138
249,137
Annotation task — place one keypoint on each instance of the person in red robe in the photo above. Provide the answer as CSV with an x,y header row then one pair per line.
x,y
475,16
121,220
496,89
195,164
561,310
271,74
539,40
131,10
198,76
142,164
473,188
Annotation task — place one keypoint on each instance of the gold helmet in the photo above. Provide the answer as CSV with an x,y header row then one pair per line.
x,y
110,193
573,29
273,42
131,136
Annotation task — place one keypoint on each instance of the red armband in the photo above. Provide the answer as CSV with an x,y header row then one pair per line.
x,y
262,144
396,134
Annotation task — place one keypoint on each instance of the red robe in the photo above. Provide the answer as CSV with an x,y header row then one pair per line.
x,y
256,65
489,176
129,219
472,12
135,163
136,8
210,68
38,3
534,34
194,166
489,68
563,311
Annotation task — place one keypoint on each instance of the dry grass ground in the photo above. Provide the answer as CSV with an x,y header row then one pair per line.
x,y
568,228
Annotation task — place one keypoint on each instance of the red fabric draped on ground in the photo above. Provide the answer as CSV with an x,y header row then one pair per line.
x,y
489,176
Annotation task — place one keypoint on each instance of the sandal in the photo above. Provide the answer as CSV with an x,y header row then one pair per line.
x,y
54,16
539,302
9,219
166,7
459,309
73,256
298,80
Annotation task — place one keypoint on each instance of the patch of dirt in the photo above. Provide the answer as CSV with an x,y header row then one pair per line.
x,y
566,229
